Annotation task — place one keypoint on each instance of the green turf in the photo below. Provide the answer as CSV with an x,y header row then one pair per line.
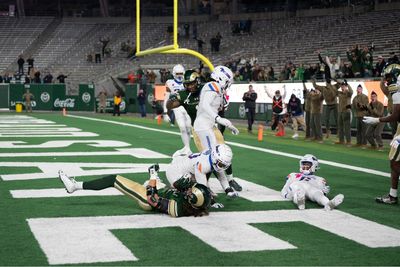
x,y
175,246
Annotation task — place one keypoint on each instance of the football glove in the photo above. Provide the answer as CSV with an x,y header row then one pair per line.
x,y
223,121
233,129
217,205
370,120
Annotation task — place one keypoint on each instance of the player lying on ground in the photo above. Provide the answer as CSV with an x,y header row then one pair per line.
x,y
187,198
305,185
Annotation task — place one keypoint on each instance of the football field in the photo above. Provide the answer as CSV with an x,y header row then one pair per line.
x,y
40,224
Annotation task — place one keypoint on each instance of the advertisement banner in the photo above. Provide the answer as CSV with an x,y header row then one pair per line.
x,y
53,97
266,90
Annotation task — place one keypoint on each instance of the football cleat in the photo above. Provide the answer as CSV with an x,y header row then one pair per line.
x,y
387,199
235,185
231,193
334,202
69,182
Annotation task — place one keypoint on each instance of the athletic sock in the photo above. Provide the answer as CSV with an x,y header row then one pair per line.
x,y
393,192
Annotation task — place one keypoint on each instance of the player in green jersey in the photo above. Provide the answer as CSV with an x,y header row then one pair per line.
x,y
187,198
188,98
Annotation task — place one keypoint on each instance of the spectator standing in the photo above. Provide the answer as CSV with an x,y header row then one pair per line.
x,y
104,42
37,78
374,131
61,78
200,45
48,78
249,99
30,61
344,116
117,103
218,39
360,106
295,110
393,59
379,66
142,102
21,62
97,52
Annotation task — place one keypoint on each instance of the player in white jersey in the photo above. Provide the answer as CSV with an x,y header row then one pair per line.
x,y
199,164
305,185
212,101
181,116
394,154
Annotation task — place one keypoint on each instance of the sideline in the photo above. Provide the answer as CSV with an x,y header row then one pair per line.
x,y
265,150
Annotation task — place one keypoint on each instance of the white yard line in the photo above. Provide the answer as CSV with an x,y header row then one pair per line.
x,y
265,150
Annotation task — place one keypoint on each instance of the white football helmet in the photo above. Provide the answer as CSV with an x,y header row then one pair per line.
x,y
308,158
221,157
223,76
178,72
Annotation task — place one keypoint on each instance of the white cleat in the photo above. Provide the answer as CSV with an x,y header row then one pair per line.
x,y
233,194
69,182
334,202
295,136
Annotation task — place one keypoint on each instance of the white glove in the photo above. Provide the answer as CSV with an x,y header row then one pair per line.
x,y
217,205
233,194
233,129
370,120
223,121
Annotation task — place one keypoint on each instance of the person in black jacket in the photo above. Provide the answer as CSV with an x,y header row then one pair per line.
x,y
295,110
249,99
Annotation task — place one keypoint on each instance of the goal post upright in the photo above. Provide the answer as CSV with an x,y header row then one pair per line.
x,y
168,49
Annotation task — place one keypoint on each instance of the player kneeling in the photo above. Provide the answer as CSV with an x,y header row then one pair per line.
x,y
305,185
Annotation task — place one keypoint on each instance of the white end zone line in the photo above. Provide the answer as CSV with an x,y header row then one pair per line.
x,y
270,151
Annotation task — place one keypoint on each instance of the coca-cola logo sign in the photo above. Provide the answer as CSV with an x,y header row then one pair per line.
x,y
66,103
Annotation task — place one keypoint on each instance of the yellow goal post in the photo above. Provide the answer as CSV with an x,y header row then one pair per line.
x,y
168,49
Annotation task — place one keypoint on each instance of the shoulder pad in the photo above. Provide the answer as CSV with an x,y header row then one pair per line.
x,y
396,98
213,87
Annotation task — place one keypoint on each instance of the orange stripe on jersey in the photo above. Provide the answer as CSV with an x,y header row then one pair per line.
x,y
199,167
213,86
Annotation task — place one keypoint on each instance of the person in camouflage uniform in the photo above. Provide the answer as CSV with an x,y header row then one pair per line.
x,y
329,92
360,106
344,122
307,110
187,198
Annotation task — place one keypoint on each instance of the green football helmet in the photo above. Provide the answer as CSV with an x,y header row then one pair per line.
x,y
200,197
392,73
191,80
